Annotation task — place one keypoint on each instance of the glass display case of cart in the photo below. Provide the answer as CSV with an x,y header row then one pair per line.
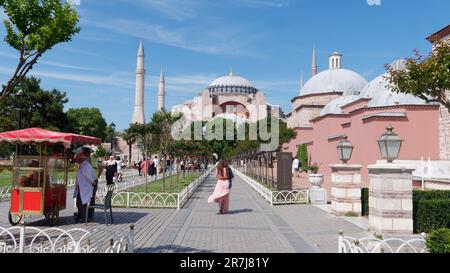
x,y
39,183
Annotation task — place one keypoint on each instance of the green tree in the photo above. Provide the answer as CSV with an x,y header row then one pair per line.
x,y
425,77
39,108
33,27
131,136
162,141
89,122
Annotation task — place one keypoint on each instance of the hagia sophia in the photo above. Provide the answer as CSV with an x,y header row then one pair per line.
x,y
333,104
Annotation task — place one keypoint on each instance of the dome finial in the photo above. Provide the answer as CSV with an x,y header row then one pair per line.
x,y
231,72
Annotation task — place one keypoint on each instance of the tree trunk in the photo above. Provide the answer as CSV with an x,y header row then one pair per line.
x,y
129,154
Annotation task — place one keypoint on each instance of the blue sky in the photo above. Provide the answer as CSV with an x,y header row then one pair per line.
x,y
268,42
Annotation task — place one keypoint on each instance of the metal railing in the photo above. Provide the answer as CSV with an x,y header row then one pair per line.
x,y
25,239
276,197
121,198
348,244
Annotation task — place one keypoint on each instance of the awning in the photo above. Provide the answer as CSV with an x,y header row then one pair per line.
x,y
42,136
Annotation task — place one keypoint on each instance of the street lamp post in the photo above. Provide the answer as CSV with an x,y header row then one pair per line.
x,y
19,99
113,127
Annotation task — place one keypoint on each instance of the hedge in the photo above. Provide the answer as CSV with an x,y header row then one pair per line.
x,y
438,241
365,202
431,210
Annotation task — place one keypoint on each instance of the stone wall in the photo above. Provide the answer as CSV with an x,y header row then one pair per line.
x,y
319,99
444,133
304,115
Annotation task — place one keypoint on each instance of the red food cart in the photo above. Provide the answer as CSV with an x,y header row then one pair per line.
x,y
40,171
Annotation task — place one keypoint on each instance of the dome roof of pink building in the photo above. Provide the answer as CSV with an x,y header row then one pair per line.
x,y
335,80
380,95
334,107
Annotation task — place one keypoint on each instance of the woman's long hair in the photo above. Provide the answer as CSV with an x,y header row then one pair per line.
x,y
222,165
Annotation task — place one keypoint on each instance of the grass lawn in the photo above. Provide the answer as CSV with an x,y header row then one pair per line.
x,y
175,186
6,177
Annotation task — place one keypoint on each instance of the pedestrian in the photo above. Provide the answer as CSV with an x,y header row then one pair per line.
x,y
86,183
295,167
119,169
139,165
221,193
111,170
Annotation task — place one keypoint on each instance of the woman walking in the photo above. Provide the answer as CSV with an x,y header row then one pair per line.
x,y
221,194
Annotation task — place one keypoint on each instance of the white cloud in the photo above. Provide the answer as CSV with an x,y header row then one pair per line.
x,y
220,40
261,3
174,9
51,63
68,66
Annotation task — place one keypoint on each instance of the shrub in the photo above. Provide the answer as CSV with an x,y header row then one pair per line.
x,y
438,241
302,155
314,168
365,202
418,196
433,214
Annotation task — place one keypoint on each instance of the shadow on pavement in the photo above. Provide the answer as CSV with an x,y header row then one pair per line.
x,y
120,217
239,211
172,249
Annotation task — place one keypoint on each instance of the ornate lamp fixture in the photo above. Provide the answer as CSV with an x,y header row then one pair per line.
x,y
345,150
390,144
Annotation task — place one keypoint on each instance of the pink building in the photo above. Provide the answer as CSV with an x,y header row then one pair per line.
x,y
363,116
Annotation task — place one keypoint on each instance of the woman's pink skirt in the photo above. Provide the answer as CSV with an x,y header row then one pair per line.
x,y
222,190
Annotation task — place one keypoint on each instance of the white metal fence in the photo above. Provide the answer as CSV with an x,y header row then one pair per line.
x,y
121,198
276,197
25,239
374,245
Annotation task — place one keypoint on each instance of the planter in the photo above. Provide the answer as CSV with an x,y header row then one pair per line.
x,y
316,180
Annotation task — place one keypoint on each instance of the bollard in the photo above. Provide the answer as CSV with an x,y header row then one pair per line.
x,y
341,248
131,239
22,240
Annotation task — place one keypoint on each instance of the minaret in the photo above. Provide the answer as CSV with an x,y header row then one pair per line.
x,y
302,82
138,115
162,92
314,62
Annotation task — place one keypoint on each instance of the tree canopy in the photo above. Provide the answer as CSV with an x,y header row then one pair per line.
x,y
425,77
88,121
33,27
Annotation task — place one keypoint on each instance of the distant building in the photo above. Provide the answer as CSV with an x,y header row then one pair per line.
x,y
231,97
337,102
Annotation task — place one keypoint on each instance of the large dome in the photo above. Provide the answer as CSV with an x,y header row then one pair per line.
x,y
334,107
232,84
335,80
380,95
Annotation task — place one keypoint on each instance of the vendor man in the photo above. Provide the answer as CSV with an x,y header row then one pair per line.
x,y
85,183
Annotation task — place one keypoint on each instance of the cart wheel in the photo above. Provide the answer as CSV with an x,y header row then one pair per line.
x,y
52,216
14,219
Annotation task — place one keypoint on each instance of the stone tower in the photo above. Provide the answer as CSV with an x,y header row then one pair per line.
x,y
314,62
162,92
138,115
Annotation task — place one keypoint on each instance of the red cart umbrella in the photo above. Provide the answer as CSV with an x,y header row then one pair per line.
x,y
38,135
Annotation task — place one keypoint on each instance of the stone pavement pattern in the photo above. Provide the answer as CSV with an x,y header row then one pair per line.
x,y
252,226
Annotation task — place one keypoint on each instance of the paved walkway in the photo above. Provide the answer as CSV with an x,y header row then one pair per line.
x,y
252,226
